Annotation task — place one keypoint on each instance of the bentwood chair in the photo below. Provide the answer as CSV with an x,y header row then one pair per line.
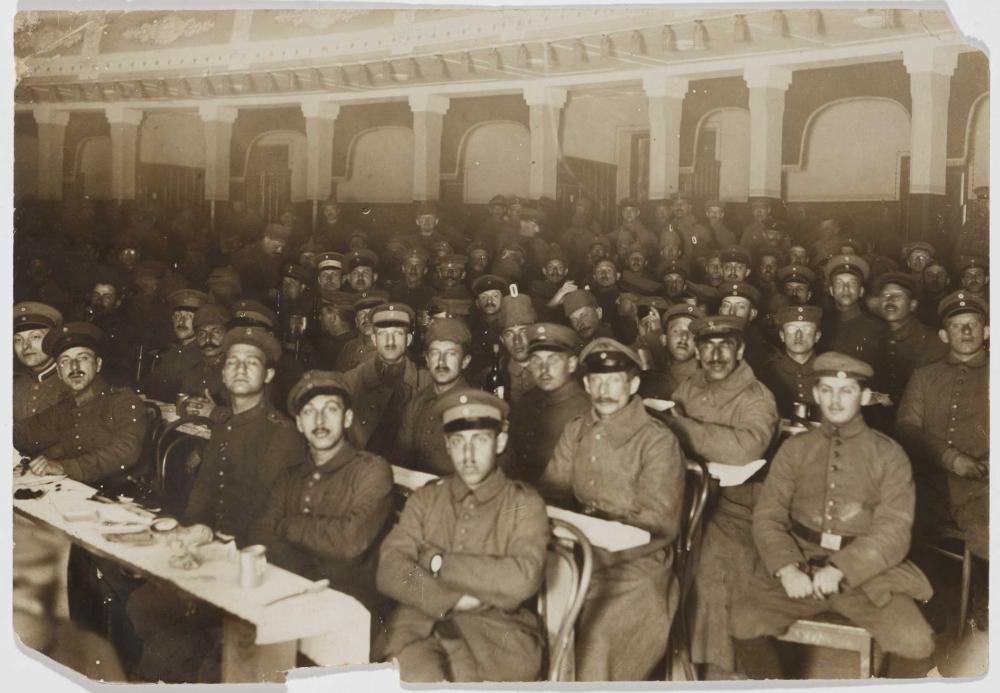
x,y
568,567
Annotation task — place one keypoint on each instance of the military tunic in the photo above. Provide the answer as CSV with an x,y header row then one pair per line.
x,y
493,541
789,381
732,422
945,411
629,468
325,521
240,462
852,332
901,352
205,376
536,423
164,382
36,392
853,482
379,395
360,349
96,435
421,444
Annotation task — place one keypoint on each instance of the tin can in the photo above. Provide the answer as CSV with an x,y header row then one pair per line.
x,y
802,411
253,563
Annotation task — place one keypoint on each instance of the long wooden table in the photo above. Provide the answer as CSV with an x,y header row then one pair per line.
x,y
260,642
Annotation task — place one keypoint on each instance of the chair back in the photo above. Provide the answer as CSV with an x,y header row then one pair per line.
x,y
686,551
568,568
173,478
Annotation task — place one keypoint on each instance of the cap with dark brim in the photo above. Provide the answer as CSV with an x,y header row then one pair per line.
x,y
70,335
833,364
468,409
33,315
606,355
314,383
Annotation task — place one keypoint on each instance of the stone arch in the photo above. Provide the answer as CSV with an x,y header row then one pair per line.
x,y
977,144
733,125
92,167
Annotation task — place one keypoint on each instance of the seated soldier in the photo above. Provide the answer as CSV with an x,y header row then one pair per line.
x,y
467,553
327,512
832,527
419,444
201,388
617,461
36,380
788,375
681,362
164,381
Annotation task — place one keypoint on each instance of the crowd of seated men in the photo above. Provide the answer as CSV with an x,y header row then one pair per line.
x,y
518,357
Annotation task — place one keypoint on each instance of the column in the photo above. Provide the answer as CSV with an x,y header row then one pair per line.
x,y
930,71
544,105
320,119
218,126
428,121
767,86
666,98
124,150
51,140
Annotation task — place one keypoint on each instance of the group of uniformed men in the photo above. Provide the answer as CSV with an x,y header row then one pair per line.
x,y
320,361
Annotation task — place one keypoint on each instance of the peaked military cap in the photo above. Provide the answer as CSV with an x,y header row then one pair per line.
x,y
490,282
34,315
259,337
425,207
72,334
369,299
717,326
297,271
450,307
225,275
743,289
796,273
498,200
393,315
673,267
682,310
329,260
959,302
813,314
836,365
211,314
575,300
246,311
448,329
187,299
454,260
362,257
606,355
735,253
900,278
851,264
627,202
417,252
463,409
315,382
917,245
972,261
550,336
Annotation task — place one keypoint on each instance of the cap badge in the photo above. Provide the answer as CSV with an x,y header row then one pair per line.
x,y
841,374
464,399
604,355
249,331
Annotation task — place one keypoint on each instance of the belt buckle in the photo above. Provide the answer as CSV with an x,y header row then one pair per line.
x,y
830,541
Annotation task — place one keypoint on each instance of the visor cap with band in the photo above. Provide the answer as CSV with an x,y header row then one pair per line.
x,y
73,334
606,355
316,382
34,315
464,409
833,364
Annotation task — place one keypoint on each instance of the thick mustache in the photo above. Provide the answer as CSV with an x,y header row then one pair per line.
x,y
77,374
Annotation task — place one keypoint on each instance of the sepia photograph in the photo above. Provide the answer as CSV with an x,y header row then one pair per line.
x,y
585,343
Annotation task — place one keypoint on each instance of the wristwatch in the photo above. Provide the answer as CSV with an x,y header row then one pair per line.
x,y
436,561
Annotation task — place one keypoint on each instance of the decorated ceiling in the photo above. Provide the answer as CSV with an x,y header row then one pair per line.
x,y
65,56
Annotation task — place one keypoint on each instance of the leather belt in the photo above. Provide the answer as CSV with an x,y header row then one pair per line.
x,y
824,539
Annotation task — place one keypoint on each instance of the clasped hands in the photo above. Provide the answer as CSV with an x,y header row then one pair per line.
x,y
42,466
799,585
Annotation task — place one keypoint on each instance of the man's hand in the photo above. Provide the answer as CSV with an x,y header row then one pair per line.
x,y
968,467
42,466
826,580
796,584
467,603
567,288
198,406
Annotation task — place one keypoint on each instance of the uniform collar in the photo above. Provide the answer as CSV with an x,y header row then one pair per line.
x,y
487,490
343,456
252,413
624,423
46,374
92,391
977,361
910,328
569,390
734,382
517,367
849,313
682,369
851,429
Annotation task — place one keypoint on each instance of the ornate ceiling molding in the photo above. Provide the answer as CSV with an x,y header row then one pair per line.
x,y
167,29
317,19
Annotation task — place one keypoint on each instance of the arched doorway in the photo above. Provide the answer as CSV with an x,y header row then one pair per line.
x,y
274,174
93,168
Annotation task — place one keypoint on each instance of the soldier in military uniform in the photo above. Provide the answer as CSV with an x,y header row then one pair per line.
x,y
582,311
120,342
202,384
848,329
539,417
696,236
224,286
722,414
360,348
467,554
753,234
832,527
413,288
362,271
974,275
420,445
735,263
741,299
788,375
164,381
37,385
517,314
382,387
333,331
681,362
327,511
619,462
715,212
450,277
632,230
943,422
259,264
250,446
484,321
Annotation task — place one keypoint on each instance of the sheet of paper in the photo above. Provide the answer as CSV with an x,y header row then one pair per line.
x,y
734,475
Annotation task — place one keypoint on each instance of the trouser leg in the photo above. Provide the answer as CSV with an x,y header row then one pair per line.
x,y
423,661
898,627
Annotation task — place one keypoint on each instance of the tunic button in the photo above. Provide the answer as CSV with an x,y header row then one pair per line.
x,y
465,516
306,499
830,503
221,473
462,530
316,476
598,436
591,482
305,511
229,428
833,485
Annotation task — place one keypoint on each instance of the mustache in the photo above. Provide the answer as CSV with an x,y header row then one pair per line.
x,y
77,374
